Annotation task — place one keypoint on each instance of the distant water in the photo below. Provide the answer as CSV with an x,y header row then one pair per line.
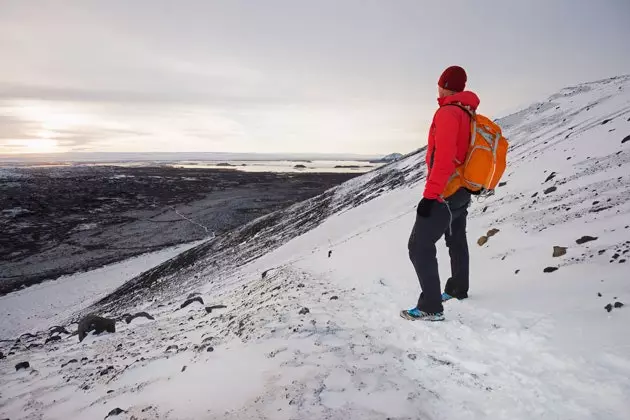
x,y
283,166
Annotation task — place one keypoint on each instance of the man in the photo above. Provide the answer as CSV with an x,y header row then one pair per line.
x,y
437,215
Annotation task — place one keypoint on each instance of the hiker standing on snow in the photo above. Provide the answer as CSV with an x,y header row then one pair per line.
x,y
449,139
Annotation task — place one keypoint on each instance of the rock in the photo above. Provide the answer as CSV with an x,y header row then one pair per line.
x,y
625,139
106,370
550,190
535,194
53,338
210,349
329,254
130,318
95,323
213,307
171,348
608,307
585,239
300,285
192,295
618,304
116,411
492,232
69,361
183,368
484,209
58,330
599,294
191,300
550,269
606,121
22,365
2,356
550,177
502,184
412,356
482,240
559,251
304,311
334,297
264,274
517,271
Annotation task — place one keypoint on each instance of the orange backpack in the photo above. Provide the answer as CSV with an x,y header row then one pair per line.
x,y
485,160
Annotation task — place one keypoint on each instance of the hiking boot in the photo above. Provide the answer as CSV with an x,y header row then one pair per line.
x,y
416,314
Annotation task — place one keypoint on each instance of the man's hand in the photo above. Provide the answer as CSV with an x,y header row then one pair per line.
x,y
425,206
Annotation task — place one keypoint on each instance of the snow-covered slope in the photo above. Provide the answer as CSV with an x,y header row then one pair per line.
x,y
312,295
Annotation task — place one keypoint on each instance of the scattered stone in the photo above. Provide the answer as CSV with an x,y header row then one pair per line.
x,y
559,251
191,300
184,368
550,269
171,348
618,304
625,139
22,365
329,254
622,261
210,349
58,330
502,184
482,240
517,271
550,190
492,232
53,338
608,307
213,307
585,239
606,121
130,318
484,209
106,371
110,391
300,285
69,361
97,324
599,294
304,311
412,356
334,297
535,194
264,274
116,411
550,177
2,356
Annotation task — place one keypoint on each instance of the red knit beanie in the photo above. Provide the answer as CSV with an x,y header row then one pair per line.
x,y
453,78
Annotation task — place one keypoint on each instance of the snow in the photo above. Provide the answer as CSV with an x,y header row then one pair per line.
x,y
524,345
51,302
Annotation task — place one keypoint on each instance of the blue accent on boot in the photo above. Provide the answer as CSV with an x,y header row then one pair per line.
x,y
446,296
416,314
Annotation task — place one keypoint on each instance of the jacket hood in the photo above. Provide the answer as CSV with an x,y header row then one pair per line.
x,y
466,98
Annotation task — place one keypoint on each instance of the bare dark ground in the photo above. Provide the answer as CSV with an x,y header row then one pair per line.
x,y
56,221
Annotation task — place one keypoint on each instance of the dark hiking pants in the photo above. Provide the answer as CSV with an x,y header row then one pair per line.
x,y
423,254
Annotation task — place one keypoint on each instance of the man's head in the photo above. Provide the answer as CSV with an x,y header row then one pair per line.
x,y
452,80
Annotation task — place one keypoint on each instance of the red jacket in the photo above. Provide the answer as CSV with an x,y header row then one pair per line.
x,y
449,137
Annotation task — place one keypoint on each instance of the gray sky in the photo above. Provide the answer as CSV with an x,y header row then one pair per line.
x,y
282,75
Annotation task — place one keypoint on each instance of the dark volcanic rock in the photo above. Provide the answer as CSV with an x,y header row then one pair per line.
x,y
115,412
210,349
69,362
130,318
608,307
585,239
550,269
334,297
58,330
625,139
550,177
95,323
53,338
209,309
189,301
618,305
22,365
2,356
304,311
550,190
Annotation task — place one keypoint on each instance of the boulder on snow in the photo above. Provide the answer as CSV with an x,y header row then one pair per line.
x,y
585,239
95,323
550,177
130,318
559,251
608,307
304,311
116,411
22,365
482,240
69,362
58,330
2,356
209,309
618,305
53,338
550,269
492,232
550,190
191,300
625,139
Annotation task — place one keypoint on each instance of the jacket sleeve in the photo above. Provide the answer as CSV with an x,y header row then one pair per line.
x,y
444,152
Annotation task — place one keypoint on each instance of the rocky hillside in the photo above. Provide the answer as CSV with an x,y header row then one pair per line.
x,y
295,315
